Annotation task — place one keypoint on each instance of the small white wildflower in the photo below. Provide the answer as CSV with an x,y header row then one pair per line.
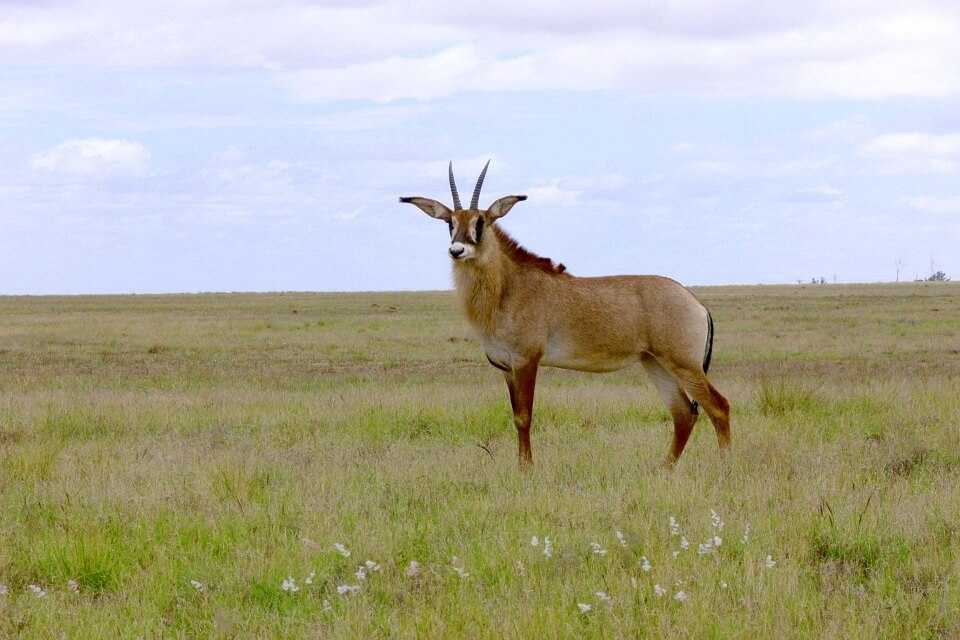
x,y
342,550
602,595
371,565
361,573
289,585
634,583
309,579
196,584
746,533
717,541
73,586
413,569
584,607
659,590
770,563
534,541
326,607
458,567
310,543
674,526
706,547
4,590
547,547
684,543
723,584
715,520
644,563
680,596
521,569
38,591
598,549
675,554
621,539
344,589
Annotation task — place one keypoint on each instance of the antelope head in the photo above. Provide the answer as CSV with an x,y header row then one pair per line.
x,y
466,225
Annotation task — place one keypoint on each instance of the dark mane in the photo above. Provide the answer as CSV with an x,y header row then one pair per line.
x,y
523,257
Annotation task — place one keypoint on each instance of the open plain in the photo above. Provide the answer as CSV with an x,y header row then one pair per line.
x,y
202,465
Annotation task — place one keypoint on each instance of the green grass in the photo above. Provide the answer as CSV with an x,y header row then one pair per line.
x,y
150,441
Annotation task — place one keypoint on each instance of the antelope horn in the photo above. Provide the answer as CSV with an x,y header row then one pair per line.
x,y
453,189
475,202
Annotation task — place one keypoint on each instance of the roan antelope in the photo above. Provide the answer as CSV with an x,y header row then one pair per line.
x,y
529,312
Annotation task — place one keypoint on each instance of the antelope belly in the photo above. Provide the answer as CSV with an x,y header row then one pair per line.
x,y
598,361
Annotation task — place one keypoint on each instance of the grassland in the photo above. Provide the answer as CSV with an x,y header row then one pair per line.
x,y
168,463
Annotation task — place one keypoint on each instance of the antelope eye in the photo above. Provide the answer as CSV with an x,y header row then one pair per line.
x,y
479,228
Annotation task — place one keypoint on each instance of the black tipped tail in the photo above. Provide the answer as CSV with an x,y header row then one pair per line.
x,y
709,350
708,353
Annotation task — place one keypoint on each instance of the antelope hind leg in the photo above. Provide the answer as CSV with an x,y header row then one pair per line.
x,y
696,384
677,403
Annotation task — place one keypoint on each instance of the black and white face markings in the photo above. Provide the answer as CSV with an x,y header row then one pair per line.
x,y
466,231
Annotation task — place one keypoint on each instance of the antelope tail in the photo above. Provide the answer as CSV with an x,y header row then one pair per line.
x,y
709,349
708,353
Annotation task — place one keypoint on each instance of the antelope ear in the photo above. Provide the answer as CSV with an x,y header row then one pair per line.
x,y
502,206
430,207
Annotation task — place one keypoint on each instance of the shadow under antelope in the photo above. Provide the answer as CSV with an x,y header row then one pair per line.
x,y
529,312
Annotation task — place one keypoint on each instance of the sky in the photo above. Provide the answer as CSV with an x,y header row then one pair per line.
x,y
239,145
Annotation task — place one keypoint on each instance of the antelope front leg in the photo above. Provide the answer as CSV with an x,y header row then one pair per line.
x,y
520,383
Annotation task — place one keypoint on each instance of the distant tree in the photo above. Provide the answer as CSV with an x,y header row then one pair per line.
x,y
939,276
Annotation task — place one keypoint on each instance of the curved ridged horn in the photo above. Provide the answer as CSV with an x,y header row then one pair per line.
x,y
453,189
475,202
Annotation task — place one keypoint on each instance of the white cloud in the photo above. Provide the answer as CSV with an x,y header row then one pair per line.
x,y
234,186
909,53
815,195
23,30
452,70
380,50
432,175
800,167
712,167
912,52
553,194
94,158
914,152
376,117
682,148
914,143
347,216
850,129
831,192
229,34
641,62
683,17
933,204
